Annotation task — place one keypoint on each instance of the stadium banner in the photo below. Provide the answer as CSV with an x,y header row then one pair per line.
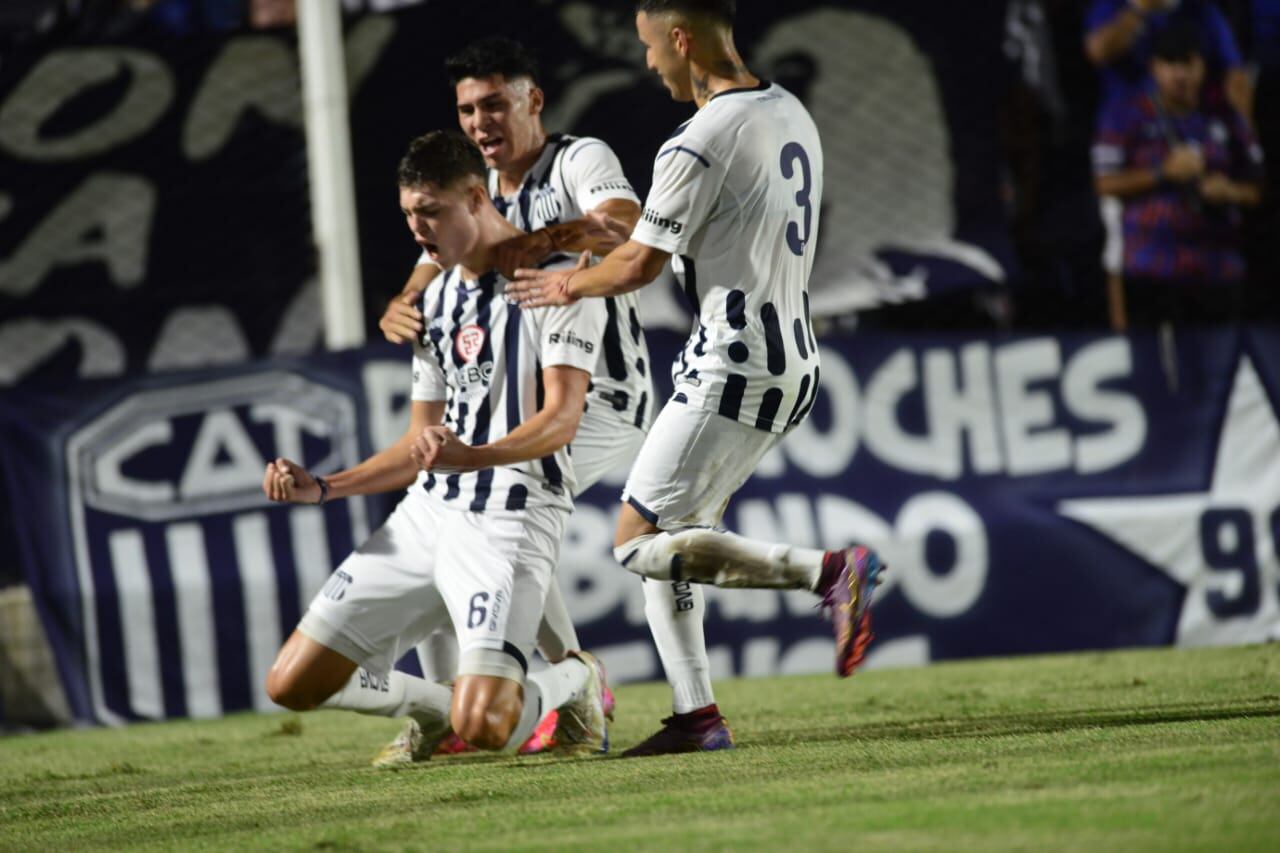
x,y
1030,493
153,191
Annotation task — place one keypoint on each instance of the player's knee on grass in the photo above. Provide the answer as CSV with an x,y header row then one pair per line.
x,y
486,710
293,693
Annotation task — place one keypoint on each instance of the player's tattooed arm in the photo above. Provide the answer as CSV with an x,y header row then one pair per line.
x,y
599,232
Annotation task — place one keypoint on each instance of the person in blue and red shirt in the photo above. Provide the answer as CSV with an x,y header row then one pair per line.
x,y
1183,168
1120,35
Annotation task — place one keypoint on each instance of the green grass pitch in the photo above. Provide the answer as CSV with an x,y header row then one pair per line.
x,y
1148,750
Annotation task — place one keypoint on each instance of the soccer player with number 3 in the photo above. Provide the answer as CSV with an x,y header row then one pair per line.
x,y
734,207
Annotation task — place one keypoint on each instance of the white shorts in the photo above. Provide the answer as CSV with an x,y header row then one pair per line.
x,y
691,463
604,444
429,565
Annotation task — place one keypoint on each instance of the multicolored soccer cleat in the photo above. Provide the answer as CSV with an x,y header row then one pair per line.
x,y
848,602
418,741
676,735
583,726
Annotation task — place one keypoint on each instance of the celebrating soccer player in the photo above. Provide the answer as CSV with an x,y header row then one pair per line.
x,y
568,193
734,205
497,396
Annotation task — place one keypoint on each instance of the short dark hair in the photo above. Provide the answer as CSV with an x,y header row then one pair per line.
x,y
492,55
720,11
1176,43
441,157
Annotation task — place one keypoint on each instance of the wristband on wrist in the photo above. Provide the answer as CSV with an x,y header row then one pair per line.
x,y
324,489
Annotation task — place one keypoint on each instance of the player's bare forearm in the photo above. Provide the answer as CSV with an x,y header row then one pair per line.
x,y
392,468
629,267
550,429
586,234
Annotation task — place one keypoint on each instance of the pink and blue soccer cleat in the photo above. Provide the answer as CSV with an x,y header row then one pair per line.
x,y
847,599
679,733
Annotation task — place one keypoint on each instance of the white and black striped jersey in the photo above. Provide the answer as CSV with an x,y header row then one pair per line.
x,y
485,357
572,176
736,197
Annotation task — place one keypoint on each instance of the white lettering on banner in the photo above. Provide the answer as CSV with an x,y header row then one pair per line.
x,y
1033,445
106,220
26,342
251,72
1221,542
108,466
936,593
988,410
66,74
960,408
1084,395
223,459
124,464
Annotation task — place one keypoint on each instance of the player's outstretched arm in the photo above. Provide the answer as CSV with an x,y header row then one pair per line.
x,y
437,448
629,267
600,231
402,321
387,470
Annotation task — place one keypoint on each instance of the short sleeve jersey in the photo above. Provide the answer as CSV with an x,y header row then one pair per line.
x,y
1170,233
736,199
572,176
485,357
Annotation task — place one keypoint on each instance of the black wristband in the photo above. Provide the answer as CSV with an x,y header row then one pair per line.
x,y
324,489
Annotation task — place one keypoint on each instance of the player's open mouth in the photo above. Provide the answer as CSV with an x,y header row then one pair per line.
x,y
432,250
488,147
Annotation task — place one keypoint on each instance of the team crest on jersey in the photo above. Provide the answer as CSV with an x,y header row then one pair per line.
x,y
469,341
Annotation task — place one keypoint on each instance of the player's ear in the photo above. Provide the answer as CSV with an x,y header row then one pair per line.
x,y
476,197
536,101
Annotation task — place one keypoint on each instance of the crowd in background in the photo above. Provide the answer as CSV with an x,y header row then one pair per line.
x,y
1135,136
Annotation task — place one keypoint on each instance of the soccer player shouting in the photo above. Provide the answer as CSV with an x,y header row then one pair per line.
x,y
734,206
497,396
568,193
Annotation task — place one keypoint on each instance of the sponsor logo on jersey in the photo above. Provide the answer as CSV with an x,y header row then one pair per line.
x,y
469,341
607,186
654,218
572,340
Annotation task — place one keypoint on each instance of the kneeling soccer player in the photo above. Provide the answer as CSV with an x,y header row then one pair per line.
x,y
497,396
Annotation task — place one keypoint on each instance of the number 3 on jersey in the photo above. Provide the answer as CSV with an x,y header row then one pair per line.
x,y
791,152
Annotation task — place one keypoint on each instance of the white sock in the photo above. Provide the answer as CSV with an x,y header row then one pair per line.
x,y
549,688
556,635
397,695
702,555
438,656
675,611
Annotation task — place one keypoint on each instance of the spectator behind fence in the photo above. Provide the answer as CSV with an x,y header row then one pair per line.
x,y
1183,168
1120,34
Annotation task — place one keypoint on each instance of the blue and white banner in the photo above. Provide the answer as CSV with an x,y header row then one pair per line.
x,y
1031,494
